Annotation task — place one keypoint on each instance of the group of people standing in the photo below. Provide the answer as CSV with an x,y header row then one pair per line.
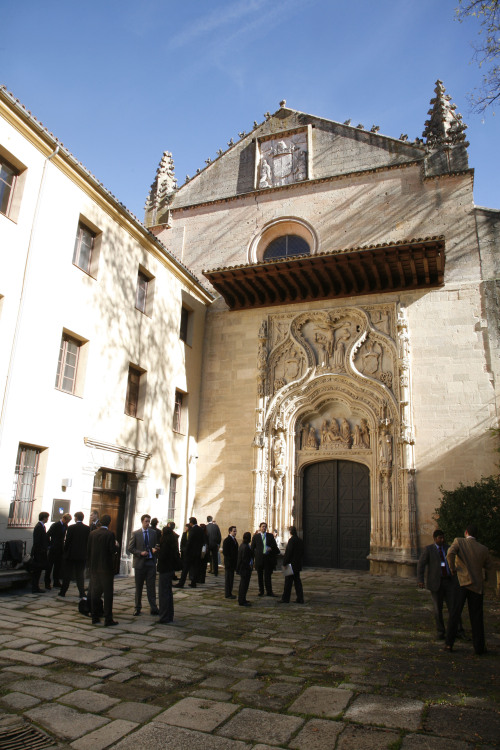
x,y
455,576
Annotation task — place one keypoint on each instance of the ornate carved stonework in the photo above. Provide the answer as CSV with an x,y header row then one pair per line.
x,y
283,161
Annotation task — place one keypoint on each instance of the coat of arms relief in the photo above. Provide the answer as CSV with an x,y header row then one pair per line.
x,y
283,161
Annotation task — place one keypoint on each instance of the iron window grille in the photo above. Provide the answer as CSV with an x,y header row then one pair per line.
x,y
23,495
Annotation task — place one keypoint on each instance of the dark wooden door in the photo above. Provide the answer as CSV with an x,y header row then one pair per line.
x,y
108,498
336,515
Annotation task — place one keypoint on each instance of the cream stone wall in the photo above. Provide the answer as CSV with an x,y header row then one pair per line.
x,y
44,294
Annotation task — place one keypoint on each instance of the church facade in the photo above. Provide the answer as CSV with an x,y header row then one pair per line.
x,y
305,332
351,357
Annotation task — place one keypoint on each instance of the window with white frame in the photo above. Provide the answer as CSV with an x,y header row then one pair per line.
x,y
12,179
178,411
25,476
145,290
87,247
136,392
172,492
67,364
8,176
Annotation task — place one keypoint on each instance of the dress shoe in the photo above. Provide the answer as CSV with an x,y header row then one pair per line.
x,y
61,594
110,623
261,593
137,612
299,601
57,584
192,585
282,601
245,604
231,596
154,611
178,586
96,620
38,591
271,594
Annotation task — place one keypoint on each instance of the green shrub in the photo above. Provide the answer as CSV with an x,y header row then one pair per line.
x,y
478,504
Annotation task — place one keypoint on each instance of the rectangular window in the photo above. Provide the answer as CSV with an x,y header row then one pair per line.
x,y
67,364
171,497
8,176
23,495
84,247
142,291
183,332
177,425
136,392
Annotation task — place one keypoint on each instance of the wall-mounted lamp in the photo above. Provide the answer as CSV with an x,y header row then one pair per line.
x,y
66,483
160,491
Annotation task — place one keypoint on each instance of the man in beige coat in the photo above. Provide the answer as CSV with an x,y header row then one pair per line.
x,y
467,558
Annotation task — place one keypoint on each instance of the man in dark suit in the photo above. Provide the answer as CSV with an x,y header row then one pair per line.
x,y
94,520
192,559
265,552
101,554
75,554
294,555
440,582
214,540
56,535
143,547
39,552
230,552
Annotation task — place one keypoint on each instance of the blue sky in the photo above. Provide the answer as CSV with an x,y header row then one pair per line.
x,y
119,82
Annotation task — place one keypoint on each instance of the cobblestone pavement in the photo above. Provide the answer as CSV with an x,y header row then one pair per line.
x,y
355,667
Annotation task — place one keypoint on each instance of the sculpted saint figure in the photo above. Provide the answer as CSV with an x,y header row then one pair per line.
x,y
266,175
279,451
343,337
304,434
358,440
345,432
311,440
365,433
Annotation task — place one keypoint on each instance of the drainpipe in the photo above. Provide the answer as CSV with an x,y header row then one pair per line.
x,y
27,266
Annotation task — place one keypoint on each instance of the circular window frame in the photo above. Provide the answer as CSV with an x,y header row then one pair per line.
x,y
277,228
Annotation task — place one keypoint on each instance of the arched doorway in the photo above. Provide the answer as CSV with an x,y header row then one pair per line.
x,y
336,515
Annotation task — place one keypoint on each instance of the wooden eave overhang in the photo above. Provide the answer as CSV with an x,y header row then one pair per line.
x,y
408,265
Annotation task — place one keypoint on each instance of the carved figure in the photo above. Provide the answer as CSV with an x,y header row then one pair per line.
x,y
304,434
311,440
385,448
371,358
300,170
292,366
381,321
344,335
358,440
279,450
324,432
266,175
365,433
345,432
332,435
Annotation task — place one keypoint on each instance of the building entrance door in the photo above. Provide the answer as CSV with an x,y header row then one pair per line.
x,y
108,497
336,515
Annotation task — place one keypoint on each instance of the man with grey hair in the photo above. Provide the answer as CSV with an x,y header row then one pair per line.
x,y
214,540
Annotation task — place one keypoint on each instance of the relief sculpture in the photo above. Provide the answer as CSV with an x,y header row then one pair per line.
x,y
287,366
370,362
283,161
331,344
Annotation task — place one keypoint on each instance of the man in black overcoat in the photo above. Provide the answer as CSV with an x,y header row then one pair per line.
x,y
101,556
265,552
39,552
440,582
192,555
294,555
230,552
75,555
56,536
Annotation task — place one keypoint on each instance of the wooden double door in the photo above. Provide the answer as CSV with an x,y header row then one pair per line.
x,y
336,515
108,498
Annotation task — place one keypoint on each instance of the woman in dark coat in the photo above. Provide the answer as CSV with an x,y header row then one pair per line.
x,y
168,562
294,555
244,568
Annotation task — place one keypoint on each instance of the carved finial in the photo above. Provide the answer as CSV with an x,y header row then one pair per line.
x,y
445,127
255,124
360,126
283,103
198,171
164,185
403,137
347,122
230,143
187,178
267,115
219,152
374,128
208,161
242,134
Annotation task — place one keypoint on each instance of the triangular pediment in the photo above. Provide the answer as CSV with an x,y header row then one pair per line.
x,y
290,147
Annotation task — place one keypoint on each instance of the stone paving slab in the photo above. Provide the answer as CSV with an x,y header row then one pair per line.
x,y
456,722
88,700
364,738
26,658
318,734
42,689
197,713
19,701
105,736
420,742
321,701
250,724
80,655
157,736
386,711
65,722
139,712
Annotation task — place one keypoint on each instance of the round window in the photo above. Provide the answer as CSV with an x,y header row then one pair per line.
x,y
286,246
